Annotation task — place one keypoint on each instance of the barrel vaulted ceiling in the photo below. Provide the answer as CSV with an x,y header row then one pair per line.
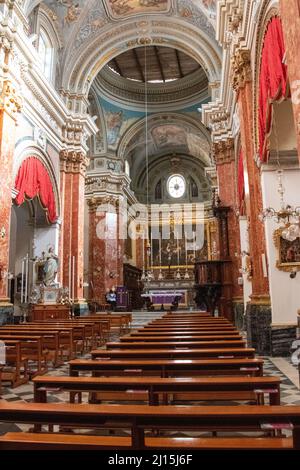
x,y
182,46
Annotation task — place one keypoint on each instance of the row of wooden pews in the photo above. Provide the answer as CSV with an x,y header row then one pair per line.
x,y
178,358
30,347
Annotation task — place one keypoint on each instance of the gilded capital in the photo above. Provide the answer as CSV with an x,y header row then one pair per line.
x,y
240,69
10,100
223,151
106,202
72,161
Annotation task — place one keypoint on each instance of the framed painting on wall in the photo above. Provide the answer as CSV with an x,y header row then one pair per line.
x,y
288,252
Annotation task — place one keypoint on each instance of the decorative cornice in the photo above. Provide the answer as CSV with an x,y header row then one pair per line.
x,y
241,69
73,162
107,184
236,28
223,151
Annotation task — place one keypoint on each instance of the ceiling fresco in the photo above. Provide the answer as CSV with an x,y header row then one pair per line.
x,y
120,9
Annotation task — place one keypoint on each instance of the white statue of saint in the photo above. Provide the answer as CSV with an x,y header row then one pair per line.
x,y
50,268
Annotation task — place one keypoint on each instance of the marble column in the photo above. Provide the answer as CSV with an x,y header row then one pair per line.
x,y
72,172
10,106
258,314
106,252
290,15
225,162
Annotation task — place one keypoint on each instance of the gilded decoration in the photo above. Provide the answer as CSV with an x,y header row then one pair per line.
x,y
241,69
288,252
9,98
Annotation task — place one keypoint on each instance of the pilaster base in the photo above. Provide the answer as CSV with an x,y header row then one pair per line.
x,y
81,308
6,313
267,339
282,339
238,313
258,325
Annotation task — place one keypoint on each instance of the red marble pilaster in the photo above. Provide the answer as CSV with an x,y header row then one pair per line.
x,y
73,167
106,252
11,105
139,253
224,156
253,197
290,14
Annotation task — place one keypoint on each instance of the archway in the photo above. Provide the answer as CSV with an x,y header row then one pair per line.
x,y
34,230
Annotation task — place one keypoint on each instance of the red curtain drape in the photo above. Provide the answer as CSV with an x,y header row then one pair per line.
x,y
33,180
273,83
241,183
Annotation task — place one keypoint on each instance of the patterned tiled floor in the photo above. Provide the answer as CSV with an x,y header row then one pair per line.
x,y
290,394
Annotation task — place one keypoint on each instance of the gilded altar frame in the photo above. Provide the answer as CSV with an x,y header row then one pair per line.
x,y
288,252
210,232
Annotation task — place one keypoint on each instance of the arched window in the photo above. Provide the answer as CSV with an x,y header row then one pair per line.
x,y
158,191
46,53
194,188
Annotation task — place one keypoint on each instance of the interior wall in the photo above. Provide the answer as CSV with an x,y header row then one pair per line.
x,y
284,306
21,238
247,284
283,135
86,246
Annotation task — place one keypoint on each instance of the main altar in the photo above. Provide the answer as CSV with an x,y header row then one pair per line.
x,y
166,293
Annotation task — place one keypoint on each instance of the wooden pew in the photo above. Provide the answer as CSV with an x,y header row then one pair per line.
x,y
178,344
15,370
168,367
175,353
187,328
188,325
196,313
51,340
175,338
121,321
31,348
197,388
189,322
144,418
157,334
67,343
82,335
34,441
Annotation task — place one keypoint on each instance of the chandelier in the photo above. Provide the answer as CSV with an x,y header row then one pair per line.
x,y
286,214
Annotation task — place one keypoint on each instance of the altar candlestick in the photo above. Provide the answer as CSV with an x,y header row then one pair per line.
x,y
70,270
186,254
22,282
26,277
194,237
151,249
143,249
177,248
73,279
159,249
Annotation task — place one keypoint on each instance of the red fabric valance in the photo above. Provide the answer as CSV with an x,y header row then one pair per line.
x,y
273,82
33,180
241,183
